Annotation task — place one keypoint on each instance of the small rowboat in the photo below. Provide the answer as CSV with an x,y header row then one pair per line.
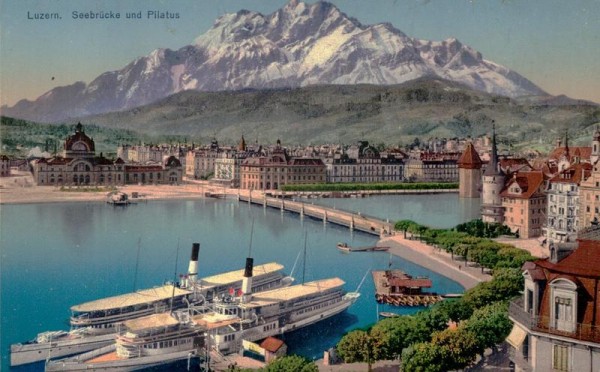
x,y
386,314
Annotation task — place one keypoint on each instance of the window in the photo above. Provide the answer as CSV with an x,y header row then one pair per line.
x,y
560,358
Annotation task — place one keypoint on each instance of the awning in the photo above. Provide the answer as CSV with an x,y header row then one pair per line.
x,y
516,337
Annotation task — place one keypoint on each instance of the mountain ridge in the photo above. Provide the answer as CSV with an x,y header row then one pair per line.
x,y
297,45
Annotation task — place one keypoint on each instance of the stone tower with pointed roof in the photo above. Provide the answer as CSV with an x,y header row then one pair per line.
x,y
492,184
469,173
595,147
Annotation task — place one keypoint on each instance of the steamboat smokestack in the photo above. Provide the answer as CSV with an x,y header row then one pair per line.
x,y
193,268
247,282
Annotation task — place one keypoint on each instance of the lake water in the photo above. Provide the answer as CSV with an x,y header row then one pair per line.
x,y
56,255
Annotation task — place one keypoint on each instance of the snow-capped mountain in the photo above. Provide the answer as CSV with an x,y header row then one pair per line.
x,y
298,45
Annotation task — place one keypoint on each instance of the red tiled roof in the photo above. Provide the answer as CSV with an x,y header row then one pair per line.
x,y
581,152
529,182
515,164
470,158
574,174
271,344
584,261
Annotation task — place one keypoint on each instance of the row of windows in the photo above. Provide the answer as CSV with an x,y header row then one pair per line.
x,y
269,327
318,306
165,344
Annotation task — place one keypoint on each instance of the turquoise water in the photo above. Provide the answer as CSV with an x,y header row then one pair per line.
x,y
434,210
57,255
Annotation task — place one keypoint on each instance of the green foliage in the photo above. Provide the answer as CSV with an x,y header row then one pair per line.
x,y
291,363
392,335
481,229
459,347
485,252
19,136
506,284
490,324
422,357
354,347
338,187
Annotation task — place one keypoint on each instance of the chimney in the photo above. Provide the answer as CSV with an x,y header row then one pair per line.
x,y
247,281
193,268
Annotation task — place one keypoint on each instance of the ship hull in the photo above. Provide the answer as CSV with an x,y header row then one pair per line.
x,y
36,352
83,362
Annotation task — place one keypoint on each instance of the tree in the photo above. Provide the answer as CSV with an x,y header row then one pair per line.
x,y
404,225
459,347
291,363
353,347
390,336
422,357
490,324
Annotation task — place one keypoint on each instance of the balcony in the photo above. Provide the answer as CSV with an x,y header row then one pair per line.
x,y
582,331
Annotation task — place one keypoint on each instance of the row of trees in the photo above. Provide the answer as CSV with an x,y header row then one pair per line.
x,y
450,334
477,248
445,337
333,187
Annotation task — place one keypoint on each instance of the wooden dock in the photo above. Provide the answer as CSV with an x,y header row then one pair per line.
x,y
354,221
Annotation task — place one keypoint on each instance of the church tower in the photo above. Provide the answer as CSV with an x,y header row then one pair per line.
x,y
493,183
469,173
595,147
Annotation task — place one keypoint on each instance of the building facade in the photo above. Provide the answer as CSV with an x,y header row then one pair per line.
x,y
432,167
557,319
363,163
524,204
200,163
79,165
277,169
563,210
469,173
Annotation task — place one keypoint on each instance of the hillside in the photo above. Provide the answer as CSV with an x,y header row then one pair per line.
x,y
390,114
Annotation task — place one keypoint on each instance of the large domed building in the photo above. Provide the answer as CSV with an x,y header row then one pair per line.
x,y
79,165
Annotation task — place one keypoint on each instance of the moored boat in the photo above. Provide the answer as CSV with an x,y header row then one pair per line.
x,y
150,341
94,323
254,316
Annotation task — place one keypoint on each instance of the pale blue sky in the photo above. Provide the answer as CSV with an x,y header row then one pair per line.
x,y
554,43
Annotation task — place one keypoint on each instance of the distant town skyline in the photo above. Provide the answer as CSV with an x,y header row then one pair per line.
x,y
553,43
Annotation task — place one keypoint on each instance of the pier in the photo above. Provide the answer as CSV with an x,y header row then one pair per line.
x,y
354,221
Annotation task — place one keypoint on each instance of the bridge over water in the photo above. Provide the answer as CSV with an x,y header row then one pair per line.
x,y
354,221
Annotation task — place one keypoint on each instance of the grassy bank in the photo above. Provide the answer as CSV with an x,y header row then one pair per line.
x,y
333,187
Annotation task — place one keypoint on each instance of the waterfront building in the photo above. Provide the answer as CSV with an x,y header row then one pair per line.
x,y
563,203
432,167
4,166
200,163
79,165
524,203
277,168
149,153
363,163
469,173
556,320
493,179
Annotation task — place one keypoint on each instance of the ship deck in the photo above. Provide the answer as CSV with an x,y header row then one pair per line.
x,y
131,299
109,357
237,275
290,293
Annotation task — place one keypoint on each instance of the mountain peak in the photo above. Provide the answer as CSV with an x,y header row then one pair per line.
x,y
300,44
